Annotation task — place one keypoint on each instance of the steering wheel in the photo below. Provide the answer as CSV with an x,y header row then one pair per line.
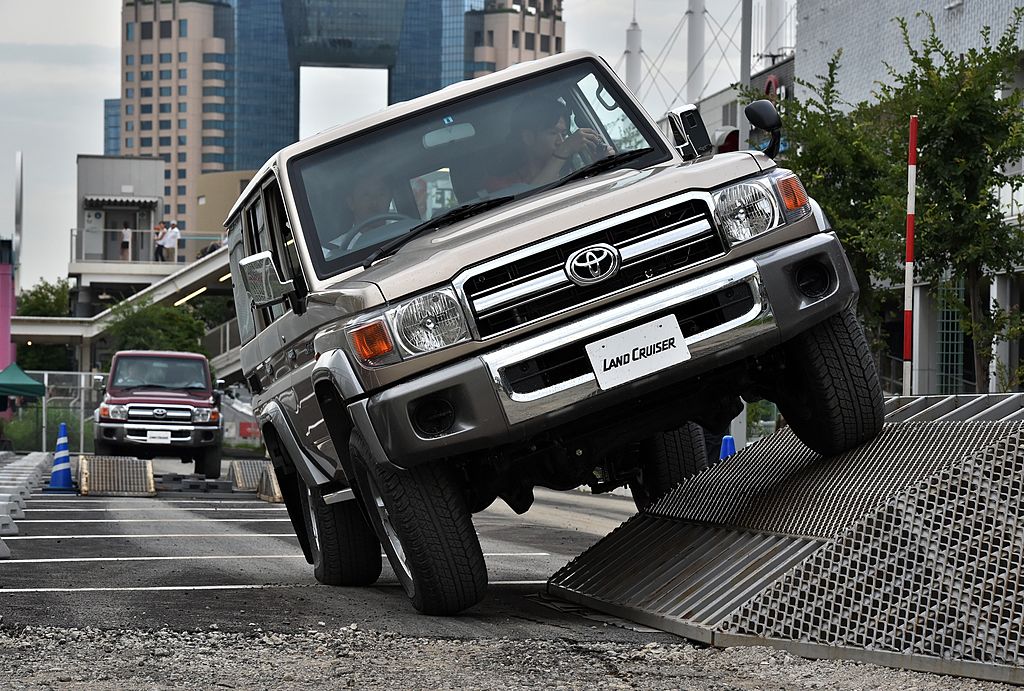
x,y
357,231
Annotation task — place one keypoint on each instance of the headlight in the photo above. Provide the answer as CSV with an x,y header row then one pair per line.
x,y
753,207
423,324
205,415
746,210
113,412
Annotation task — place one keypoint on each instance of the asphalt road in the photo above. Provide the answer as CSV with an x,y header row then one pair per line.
x,y
188,561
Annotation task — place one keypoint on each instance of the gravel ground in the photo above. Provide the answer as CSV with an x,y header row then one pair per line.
x,y
37,657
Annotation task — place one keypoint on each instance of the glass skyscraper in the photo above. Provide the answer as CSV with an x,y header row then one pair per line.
x,y
112,127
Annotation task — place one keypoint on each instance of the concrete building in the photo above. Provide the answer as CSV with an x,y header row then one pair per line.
x,y
720,111
505,32
216,193
115,193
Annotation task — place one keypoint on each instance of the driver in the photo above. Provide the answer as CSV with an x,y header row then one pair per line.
x,y
539,146
370,196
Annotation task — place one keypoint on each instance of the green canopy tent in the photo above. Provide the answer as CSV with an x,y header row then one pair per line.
x,y
14,382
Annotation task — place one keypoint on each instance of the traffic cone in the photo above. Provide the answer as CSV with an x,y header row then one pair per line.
x,y
728,447
60,477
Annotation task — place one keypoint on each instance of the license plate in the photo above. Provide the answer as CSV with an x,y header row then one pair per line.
x,y
637,352
161,436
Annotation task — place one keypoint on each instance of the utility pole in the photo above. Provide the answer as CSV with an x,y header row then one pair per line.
x,y
745,31
634,55
694,50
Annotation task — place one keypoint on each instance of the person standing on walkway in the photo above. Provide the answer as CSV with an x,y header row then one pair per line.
x,y
171,238
126,242
158,242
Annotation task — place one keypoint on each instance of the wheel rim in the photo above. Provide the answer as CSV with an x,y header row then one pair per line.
x,y
393,544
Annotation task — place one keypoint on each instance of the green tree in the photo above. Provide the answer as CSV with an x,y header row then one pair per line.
x,y
971,127
155,327
44,299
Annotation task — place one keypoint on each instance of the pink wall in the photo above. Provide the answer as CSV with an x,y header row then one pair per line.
x,y
6,312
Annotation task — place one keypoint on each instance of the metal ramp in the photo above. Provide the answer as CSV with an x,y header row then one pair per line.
x,y
244,475
115,476
904,552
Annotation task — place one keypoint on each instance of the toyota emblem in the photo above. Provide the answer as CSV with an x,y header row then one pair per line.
x,y
159,412
592,264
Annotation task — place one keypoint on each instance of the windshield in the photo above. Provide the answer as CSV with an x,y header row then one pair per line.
x,y
158,372
357,194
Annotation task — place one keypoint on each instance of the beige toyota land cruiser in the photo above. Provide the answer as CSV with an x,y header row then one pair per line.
x,y
521,281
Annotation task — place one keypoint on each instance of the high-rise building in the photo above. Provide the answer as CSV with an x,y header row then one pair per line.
x,y
111,126
213,85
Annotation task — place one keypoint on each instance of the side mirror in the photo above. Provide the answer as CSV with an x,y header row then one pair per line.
x,y
261,280
762,115
97,383
220,384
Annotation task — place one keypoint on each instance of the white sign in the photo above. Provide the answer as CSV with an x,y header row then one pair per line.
x,y
640,351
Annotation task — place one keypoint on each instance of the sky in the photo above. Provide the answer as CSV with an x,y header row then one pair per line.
x,y
60,58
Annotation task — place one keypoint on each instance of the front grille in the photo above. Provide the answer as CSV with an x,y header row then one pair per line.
x,y
571,361
535,286
148,412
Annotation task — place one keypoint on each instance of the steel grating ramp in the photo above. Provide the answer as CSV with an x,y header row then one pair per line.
x,y
244,475
904,552
115,476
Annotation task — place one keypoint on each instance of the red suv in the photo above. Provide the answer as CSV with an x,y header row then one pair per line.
x,y
161,403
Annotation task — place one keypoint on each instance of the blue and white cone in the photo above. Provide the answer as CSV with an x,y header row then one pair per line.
x,y
60,477
728,447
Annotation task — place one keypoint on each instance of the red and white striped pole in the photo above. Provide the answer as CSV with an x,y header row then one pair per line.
x,y
908,271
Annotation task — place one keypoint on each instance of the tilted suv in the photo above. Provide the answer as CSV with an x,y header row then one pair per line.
x,y
161,403
518,281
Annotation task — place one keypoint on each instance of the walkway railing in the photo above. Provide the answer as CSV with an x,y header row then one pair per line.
x,y
135,246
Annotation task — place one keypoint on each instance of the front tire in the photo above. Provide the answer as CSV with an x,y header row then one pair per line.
x,y
102,448
344,548
666,460
832,397
426,529
208,462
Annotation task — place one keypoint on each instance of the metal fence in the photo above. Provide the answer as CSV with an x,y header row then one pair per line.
x,y
31,424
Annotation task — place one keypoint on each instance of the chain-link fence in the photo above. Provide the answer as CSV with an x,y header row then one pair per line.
x,y
31,424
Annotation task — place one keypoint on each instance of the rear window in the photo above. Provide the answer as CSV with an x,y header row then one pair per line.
x,y
137,371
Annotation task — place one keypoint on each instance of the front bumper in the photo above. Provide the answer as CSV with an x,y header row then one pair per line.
x,y
135,435
491,410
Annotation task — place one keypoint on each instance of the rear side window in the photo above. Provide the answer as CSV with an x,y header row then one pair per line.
x,y
243,305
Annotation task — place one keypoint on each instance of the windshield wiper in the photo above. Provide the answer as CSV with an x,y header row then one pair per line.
x,y
447,218
601,165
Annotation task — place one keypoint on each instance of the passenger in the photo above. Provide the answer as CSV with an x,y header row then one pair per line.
x,y
539,147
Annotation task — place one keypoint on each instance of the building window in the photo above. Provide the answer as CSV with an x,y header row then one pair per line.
x,y
181,157
214,74
129,59
146,75
490,38
166,58
182,73
181,173
213,158
213,124
181,208
213,141
545,44
181,190
165,141
147,30
214,91
215,57
129,76
182,123
182,140
129,109
129,92
146,125
181,226
165,107
165,91
182,107
558,44
165,29
146,92
129,126
183,28
166,158
214,108
129,142
146,108
145,142
478,39
147,59
183,90
166,74
129,32
167,190
183,57
530,43
167,209
515,39
165,124
167,174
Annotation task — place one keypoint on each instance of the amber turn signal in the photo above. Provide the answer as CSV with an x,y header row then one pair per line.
x,y
793,194
372,340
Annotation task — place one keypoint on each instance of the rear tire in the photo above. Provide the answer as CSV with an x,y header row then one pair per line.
x,y
832,397
426,529
666,460
208,462
344,548
102,448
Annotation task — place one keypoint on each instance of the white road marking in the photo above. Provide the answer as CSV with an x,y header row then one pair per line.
x,y
142,501
164,558
154,508
159,520
242,586
145,535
